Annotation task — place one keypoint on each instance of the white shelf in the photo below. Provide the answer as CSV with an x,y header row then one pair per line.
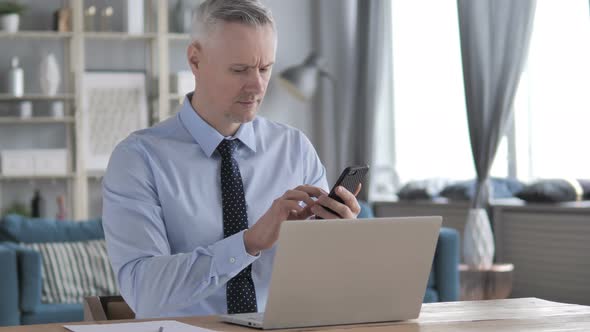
x,y
35,120
177,98
179,36
95,175
75,44
35,96
119,36
36,35
36,177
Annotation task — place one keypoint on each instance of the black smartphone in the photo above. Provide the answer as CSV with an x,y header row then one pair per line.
x,y
350,178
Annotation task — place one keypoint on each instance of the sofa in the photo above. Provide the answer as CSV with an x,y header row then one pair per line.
x,y
20,280
443,282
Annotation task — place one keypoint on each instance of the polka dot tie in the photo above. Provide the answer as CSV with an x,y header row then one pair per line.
x,y
241,295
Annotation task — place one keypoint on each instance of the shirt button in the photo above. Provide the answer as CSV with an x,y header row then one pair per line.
x,y
232,260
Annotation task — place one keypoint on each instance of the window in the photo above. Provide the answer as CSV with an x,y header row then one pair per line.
x,y
551,108
430,120
552,105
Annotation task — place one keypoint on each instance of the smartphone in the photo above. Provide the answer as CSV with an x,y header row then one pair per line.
x,y
350,179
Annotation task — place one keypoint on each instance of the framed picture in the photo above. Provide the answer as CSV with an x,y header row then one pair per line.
x,y
114,104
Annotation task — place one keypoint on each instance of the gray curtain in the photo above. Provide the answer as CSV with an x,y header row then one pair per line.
x,y
354,38
495,36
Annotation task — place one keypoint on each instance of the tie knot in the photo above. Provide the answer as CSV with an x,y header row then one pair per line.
x,y
227,148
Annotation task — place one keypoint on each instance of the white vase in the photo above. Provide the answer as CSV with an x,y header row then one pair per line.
x,y
134,13
478,240
25,109
49,75
9,23
56,110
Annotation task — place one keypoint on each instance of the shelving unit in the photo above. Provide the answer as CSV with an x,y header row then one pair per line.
x,y
119,36
157,38
36,35
176,98
36,177
179,36
36,96
39,120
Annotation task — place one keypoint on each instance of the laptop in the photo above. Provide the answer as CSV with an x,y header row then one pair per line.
x,y
334,272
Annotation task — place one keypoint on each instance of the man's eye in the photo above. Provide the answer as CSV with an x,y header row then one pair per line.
x,y
265,69
239,70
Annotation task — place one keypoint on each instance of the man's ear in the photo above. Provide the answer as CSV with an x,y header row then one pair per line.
x,y
194,55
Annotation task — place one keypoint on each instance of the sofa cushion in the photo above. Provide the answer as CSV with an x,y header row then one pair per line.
x,y
430,296
422,189
29,274
29,270
555,191
465,190
446,267
366,210
9,283
54,313
73,270
17,228
432,278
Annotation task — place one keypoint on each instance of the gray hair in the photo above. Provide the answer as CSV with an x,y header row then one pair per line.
x,y
211,12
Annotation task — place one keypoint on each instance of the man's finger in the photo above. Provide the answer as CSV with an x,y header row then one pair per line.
x,y
320,211
311,190
349,199
298,195
289,206
330,203
303,214
358,189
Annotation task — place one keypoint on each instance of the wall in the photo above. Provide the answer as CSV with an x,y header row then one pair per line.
x,y
295,29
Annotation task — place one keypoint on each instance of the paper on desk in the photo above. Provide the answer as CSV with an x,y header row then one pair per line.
x,y
168,325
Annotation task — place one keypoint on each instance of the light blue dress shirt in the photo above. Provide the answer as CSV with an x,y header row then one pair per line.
x,y
162,212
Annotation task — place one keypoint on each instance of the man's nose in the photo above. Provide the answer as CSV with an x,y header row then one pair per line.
x,y
256,82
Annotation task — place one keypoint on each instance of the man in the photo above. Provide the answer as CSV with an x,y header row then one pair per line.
x,y
193,206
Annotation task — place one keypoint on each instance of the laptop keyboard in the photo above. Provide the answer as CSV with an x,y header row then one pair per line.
x,y
256,316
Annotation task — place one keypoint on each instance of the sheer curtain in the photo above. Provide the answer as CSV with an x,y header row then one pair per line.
x,y
354,38
495,36
429,124
552,106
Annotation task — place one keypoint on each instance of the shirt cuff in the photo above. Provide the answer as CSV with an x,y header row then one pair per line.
x,y
230,255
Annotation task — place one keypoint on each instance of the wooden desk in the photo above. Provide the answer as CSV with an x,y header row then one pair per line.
x,y
526,314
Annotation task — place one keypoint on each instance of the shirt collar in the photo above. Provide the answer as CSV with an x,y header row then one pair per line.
x,y
207,136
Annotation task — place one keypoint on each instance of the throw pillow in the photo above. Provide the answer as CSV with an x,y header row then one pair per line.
x,y
465,190
555,191
422,189
73,270
16,228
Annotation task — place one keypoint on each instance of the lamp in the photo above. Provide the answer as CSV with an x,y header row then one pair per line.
x,y
301,80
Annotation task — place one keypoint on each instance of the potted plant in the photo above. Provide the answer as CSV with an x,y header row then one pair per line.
x,y
9,16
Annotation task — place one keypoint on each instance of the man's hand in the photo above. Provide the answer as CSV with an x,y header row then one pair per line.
x,y
265,232
349,210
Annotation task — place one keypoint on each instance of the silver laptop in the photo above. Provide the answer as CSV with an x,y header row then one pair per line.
x,y
332,272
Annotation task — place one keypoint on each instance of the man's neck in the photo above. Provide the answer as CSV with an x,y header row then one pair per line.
x,y
218,123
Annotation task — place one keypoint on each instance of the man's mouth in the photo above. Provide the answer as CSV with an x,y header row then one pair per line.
x,y
247,102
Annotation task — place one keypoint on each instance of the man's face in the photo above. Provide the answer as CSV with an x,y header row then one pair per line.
x,y
234,67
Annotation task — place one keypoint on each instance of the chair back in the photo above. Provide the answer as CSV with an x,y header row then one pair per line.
x,y
106,308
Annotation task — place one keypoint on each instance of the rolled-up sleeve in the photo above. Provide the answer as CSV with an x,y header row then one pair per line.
x,y
151,279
